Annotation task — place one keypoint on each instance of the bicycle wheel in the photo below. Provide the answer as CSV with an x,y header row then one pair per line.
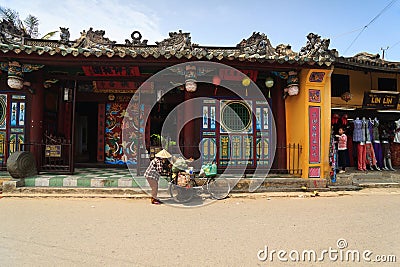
x,y
181,194
218,188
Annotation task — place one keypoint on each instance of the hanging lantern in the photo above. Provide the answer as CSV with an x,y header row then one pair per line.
x,y
15,75
269,82
15,72
246,81
216,81
292,87
191,86
190,78
346,96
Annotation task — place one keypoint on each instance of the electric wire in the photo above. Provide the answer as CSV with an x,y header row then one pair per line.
x,y
372,21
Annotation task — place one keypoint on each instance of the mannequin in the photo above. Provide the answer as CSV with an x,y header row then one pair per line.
x,y
387,156
361,147
357,133
370,155
377,143
371,159
397,132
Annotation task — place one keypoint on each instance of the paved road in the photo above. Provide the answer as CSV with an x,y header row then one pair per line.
x,y
126,232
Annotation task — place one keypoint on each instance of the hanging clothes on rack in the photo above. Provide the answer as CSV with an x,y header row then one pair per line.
x,y
333,158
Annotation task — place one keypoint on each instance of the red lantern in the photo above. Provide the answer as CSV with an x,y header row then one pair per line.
x,y
216,81
346,96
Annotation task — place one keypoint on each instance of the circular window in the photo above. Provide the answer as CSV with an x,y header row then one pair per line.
x,y
236,116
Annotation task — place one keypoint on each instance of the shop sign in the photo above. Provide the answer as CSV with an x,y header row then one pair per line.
x,y
111,71
53,151
122,87
378,100
234,75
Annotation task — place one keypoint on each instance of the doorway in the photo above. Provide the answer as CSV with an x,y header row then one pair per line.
x,y
86,132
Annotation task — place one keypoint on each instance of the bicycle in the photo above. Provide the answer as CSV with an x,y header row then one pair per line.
x,y
218,188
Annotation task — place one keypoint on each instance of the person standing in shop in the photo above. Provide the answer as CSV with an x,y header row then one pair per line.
x,y
342,150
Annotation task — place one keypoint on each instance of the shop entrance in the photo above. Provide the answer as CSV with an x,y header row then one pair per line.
x,y
86,132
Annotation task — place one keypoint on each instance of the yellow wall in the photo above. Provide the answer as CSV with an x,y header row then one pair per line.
x,y
297,120
360,82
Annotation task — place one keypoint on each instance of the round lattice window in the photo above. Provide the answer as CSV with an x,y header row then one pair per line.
x,y
236,116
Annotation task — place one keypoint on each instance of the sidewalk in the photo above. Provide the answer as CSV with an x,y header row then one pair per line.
x,y
119,183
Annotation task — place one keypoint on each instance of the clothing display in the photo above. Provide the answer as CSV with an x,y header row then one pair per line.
x,y
365,131
387,155
371,143
378,153
375,130
397,132
358,132
362,157
371,159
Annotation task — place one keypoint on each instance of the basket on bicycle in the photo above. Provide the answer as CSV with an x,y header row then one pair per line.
x,y
183,179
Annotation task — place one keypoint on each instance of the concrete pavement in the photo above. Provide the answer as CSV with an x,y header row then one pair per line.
x,y
231,232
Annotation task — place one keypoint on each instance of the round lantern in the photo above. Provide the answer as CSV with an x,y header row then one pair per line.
x,y
191,86
292,87
269,82
216,80
246,81
15,83
346,96
15,75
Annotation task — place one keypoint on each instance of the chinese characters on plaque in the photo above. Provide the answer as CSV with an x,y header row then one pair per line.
x,y
315,132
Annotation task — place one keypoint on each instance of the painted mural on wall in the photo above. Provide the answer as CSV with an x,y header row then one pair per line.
x,y
116,151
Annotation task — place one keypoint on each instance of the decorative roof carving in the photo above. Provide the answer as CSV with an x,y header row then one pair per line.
x,y
136,40
318,48
179,45
93,39
64,35
177,41
285,50
257,43
367,57
10,34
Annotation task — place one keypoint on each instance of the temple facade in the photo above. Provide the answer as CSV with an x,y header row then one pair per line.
x,y
70,101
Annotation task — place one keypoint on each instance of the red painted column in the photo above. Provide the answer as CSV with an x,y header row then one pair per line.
x,y
60,115
36,110
278,110
188,130
36,114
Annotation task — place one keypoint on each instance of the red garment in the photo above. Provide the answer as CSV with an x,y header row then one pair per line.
x,y
344,120
370,154
335,119
342,145
362,157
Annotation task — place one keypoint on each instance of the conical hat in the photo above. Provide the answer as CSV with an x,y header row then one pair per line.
x,y
163,154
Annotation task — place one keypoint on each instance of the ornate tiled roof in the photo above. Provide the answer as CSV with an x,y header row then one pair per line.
x,y
93,43
368,61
